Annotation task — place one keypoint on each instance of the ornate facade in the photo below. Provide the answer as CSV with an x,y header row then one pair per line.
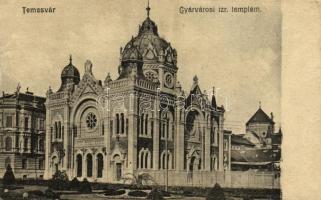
x,y
22,134
142,121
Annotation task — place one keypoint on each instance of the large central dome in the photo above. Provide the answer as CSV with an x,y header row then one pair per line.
x,y
152,48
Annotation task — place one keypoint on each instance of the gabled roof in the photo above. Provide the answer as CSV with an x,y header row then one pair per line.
x,y
240,140
260,117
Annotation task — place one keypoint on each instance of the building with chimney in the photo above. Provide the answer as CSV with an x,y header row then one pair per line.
x,y
22,134
260,147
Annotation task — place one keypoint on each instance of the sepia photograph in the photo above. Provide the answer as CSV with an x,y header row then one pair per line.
x,y
141,99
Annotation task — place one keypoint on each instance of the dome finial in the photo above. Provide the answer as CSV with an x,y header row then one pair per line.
x,y
70,59
259,104
148,8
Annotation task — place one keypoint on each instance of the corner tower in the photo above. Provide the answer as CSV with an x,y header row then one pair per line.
x,y
159,57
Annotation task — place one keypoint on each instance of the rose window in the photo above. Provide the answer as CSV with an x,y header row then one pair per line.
x,y
91,120
151,76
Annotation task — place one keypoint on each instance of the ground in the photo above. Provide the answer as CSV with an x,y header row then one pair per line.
x,y
231,194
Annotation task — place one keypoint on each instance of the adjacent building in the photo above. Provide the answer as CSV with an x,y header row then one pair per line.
x,y
140,122
260,147
22,134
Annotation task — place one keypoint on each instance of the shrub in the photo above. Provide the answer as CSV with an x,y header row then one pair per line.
x,y
188,193
59,181
112,192
36,193
85,187
216,193
11,195
8,177
74,184
137,193
166,193
51,195
155,194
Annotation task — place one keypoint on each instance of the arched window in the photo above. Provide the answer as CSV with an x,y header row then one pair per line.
x,y
102,128
146,124
166,160
56,130
79,165
26,122
59,130
100,165
142,124
141,159
151,128
122,120
163,161
89,165
8,143
163,130
41,145
146,159
126,126
214,163
117,123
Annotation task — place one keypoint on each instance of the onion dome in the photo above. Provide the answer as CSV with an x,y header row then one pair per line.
x,y
131,62
153,48
69,75
131,53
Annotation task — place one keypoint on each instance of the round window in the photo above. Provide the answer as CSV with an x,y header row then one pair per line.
x,y
91,120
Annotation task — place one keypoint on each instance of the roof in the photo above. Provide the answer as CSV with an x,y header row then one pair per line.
x,y
255,155
260,117
27,99
28,96
240,140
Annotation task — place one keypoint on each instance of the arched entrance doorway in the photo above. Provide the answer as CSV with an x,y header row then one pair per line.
x,y
100,165
118,167
55,164
89,165
79,165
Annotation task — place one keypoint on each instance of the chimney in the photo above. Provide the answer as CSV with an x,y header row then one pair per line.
x,y
272,116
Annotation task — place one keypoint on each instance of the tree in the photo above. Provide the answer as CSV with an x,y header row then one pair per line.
x,y
59,181
85,187
155,194
8,177
216,193
74,184
139,181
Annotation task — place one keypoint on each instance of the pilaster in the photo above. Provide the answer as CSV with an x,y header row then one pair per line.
x,y
156,138
179,138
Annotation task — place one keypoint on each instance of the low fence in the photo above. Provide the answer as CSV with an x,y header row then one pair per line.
x,y
229,179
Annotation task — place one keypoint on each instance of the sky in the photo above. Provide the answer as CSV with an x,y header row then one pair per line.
x,y
238,54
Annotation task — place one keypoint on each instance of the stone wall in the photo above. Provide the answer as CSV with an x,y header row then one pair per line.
x,y
229,179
